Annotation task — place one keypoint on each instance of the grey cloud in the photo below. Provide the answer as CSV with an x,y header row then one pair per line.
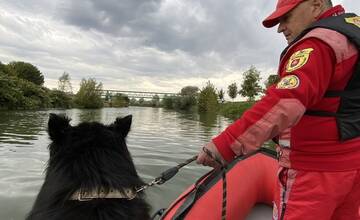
x,y
226,27
193,38
109,16
30,6
137,40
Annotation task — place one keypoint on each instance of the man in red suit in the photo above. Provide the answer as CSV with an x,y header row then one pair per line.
x,y
313,111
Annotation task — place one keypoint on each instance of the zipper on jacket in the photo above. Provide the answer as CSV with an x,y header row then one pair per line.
x,y
283,206
283,211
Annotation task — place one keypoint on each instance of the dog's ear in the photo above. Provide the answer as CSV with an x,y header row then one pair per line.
x,y
123,125
56,127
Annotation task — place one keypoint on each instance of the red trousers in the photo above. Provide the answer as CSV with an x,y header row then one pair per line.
x,y
304,195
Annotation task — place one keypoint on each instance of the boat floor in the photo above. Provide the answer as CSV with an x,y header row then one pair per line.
x,y
260,212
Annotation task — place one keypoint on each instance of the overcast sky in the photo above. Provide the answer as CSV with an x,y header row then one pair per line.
x,y
143,45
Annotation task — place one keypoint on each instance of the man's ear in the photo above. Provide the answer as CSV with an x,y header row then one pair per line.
x,y
57,126
318,7
122,125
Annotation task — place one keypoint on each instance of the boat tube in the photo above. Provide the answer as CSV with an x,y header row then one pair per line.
x,y
250,180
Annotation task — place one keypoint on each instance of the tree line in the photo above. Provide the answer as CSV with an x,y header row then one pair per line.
x,y
209,98
22,87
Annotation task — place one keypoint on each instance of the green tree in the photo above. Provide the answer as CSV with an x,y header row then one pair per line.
x,y
64,83
189,91
108,96
155,101
89,94
120,100
27,71
6,70
133,101
167,102
221,95
232,90
60,99
16,93
250,86
2,67
208,100
271,80
11,96
36,96
187,99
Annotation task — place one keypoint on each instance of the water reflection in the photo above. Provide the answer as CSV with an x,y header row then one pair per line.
x,y
209,120
89,115
17,128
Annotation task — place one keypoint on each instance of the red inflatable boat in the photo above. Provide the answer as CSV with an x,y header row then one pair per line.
x,y
249,180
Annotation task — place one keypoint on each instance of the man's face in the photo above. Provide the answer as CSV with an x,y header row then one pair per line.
x,y
295,21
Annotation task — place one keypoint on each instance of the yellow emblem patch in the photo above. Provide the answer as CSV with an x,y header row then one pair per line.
x,y
298,59
353,20
288,82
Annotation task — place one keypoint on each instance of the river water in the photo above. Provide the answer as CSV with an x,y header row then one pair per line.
x,y
158,139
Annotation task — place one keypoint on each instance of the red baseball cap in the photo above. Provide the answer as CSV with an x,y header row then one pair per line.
x,y
282,7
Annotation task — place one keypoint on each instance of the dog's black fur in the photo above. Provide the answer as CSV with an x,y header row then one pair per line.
x,y
88,156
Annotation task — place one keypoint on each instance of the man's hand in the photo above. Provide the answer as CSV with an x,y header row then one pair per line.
x,y
212,160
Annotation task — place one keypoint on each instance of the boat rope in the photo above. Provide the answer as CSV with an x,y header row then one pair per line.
x,y
166,175
223,174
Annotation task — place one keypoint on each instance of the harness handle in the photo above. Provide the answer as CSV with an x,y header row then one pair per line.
x,y
166,175
171,172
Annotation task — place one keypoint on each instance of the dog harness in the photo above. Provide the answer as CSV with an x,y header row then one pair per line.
x,y
82,195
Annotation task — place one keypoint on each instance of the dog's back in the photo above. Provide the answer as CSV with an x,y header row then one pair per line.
x,y
89,158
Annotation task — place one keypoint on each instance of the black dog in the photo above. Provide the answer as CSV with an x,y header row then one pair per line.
x,y
89,173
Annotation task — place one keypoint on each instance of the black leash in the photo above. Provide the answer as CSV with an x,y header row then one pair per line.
x,y
166,175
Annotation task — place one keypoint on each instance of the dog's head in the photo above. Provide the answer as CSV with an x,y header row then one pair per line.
x,y
91,153
88,164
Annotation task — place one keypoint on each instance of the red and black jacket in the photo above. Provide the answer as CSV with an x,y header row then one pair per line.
x,y
348,113
320,61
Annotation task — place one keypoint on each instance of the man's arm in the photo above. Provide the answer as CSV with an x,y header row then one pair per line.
x,y
304,79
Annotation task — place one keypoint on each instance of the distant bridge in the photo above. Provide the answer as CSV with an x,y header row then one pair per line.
x,y
108,93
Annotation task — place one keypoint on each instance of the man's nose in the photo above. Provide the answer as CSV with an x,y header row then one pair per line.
x,y
281,27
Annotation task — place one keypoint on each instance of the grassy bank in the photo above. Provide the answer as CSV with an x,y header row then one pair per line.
x,y
234,110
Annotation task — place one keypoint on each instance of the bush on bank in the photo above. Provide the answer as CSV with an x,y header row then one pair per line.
x,y
89,94
21,88
183,103
208,99
119,101
60,99
16,93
